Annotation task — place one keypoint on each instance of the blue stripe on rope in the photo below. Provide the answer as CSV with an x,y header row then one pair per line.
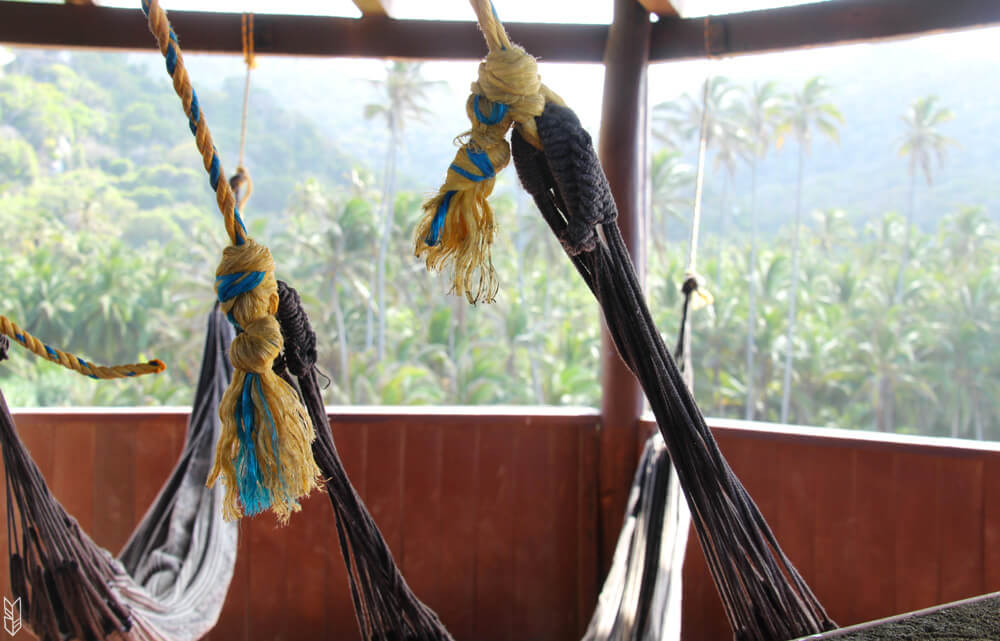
x,y
215,170
20,337
482,162
171,59
434,233
83,363
497,112
53,353
195,113
232,285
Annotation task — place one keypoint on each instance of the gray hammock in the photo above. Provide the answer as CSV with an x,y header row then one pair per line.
x,y
170,580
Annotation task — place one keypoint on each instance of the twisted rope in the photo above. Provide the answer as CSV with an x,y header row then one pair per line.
x,y
171,50
264,453
70,361
458,228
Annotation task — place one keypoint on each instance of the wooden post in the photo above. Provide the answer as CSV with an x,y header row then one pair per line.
x,y
622,148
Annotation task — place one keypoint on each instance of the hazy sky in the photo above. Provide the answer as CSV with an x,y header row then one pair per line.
x,y
581,84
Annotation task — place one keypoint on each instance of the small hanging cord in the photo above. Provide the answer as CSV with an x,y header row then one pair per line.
x,y
70,361
691,287
241,182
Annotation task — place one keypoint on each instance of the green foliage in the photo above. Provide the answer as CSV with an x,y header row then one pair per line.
x,y
110,237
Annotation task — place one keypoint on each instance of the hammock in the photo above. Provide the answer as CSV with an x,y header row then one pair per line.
x,y
763,595
171,578
641,597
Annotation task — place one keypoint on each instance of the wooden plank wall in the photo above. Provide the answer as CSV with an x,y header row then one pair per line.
x,y
493,517
876,524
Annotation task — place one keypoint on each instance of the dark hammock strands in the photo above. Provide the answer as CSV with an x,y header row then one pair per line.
x,y
386,608
764,597
172,576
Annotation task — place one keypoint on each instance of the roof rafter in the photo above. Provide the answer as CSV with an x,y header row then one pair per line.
x,y
375,36
375,7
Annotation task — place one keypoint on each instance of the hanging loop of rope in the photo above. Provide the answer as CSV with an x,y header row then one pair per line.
x,y
71,361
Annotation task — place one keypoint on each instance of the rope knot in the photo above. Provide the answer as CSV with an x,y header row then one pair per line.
x,y
510,76
245,283
257,346
700,297
264,452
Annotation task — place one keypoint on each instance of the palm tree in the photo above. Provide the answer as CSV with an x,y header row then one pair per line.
x,y
670,181
806,112
759,115
405,92
922,143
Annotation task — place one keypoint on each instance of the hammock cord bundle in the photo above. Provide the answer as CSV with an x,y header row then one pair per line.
x,y
384,604
264,452
764,597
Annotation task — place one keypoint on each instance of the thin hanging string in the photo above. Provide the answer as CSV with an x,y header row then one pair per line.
x,y
251,61
75,363
691,287
240,182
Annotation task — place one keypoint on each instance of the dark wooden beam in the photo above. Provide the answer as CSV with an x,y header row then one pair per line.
x,y
66,26
622,148
813,25
827,23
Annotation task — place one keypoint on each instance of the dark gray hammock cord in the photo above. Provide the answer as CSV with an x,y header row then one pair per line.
x,y
385,606
764,597
172,577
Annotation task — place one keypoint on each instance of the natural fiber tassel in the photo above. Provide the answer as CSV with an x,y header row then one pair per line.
x,y
458,226
265,448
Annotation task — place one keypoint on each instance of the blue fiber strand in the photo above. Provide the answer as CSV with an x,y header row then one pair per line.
x,y
274,441
171,59
215,171
497,112
254,496
51,352
230,286
482,161
19,337
434,233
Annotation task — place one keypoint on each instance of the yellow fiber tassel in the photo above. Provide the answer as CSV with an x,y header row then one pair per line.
x,y
458,226
264,452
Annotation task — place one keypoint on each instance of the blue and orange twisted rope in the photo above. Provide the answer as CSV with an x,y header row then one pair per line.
x,y
264,452
73,362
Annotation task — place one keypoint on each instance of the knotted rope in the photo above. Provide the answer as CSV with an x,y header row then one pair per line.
x,y
264,450
70,361
458,227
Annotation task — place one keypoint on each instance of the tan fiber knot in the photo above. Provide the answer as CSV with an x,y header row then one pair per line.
x,y
510,76
262,300
256,348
